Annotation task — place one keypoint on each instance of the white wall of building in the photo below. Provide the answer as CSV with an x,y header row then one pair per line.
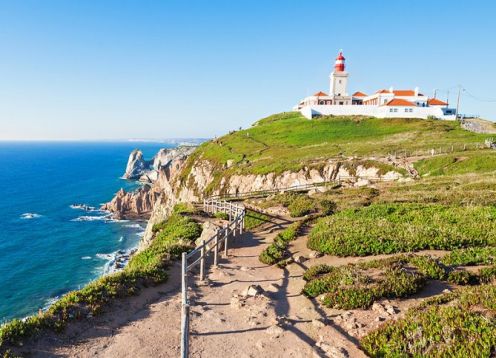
x,y
376,111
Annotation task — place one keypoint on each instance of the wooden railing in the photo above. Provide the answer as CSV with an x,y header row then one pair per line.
x,y
199,256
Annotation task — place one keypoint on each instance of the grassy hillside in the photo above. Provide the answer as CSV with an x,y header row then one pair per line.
x,y
289,141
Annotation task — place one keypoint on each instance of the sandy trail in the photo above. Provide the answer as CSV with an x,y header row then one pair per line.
x,y
280,322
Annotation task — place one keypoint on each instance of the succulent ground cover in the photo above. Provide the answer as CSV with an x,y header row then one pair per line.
x,y
458,324
359,285
404,227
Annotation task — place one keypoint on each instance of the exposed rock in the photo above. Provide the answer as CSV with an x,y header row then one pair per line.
x,y
136,165
315,254
131,205
299,259
252,291
209,230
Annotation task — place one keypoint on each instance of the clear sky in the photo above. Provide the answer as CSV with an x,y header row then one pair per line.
x,y
103,69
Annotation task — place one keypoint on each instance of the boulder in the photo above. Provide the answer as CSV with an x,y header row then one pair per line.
x,y
252,291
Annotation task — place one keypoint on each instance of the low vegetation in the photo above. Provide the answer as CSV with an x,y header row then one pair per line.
x,y
276,252
392,228
458,324
254,218
359,285
148,267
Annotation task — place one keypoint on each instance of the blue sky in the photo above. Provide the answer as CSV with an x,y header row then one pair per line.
x,y
156,69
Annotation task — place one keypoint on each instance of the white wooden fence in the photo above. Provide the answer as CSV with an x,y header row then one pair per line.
x,y
200,255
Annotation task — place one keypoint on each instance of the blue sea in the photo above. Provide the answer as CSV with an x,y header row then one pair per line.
x,y
47,247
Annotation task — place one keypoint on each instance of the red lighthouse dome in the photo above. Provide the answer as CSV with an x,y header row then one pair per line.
x,y
339,64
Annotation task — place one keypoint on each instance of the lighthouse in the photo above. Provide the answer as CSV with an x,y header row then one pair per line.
x,y
339,82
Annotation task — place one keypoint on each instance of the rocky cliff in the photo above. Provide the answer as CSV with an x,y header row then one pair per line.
x,y
178,179
156,174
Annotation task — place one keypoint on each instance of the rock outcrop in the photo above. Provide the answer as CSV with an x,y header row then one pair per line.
x,y
136,165
133,205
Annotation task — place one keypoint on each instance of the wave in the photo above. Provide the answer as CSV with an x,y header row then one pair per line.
x,y
28,216
86,258
83,207
93,218
116,261
133,226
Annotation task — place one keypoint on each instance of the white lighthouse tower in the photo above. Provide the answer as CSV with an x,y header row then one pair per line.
x,y
339,82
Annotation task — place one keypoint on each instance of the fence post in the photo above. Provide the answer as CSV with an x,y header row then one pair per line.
x,y
226,238
185,309
202,261
216,250
230,211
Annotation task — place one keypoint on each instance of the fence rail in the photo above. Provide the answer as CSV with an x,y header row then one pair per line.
x,y
200,255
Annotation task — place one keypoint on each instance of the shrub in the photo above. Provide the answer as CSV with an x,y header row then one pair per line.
x,y
327,207
429,267
275,252
398,282
301,206
316,271
471,256
221,215
461,277
487,275
349,298
254,219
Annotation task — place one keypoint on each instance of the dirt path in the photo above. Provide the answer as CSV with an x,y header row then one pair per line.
x,y
280,322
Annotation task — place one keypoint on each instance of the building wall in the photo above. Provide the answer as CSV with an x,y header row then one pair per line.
x,y
376,111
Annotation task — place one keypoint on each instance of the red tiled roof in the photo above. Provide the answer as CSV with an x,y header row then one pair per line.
x,y
320,94
401,93
436,102
400,102
383,91
359,94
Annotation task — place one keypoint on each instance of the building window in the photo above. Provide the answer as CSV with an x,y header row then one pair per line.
x,y
395,109
391,110
339,81
341,103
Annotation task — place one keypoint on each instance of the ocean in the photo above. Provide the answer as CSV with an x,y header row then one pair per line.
x,y
47,245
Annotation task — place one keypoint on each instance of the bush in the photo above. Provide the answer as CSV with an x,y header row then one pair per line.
x,y
488,274
391,228
316,271
301,206
399,283
349,298
460,277
327,207
254,219
275,252
429,267
221,215
471,256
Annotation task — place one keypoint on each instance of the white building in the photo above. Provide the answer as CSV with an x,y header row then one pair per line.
x,y
384,103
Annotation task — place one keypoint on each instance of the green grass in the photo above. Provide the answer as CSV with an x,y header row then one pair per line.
x,y
254,219
460,163
288,141
148,267
392,228
276,251
471,256
458,324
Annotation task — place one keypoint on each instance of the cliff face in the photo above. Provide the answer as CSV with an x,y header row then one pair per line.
x,y
132,205
157,173
155,201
